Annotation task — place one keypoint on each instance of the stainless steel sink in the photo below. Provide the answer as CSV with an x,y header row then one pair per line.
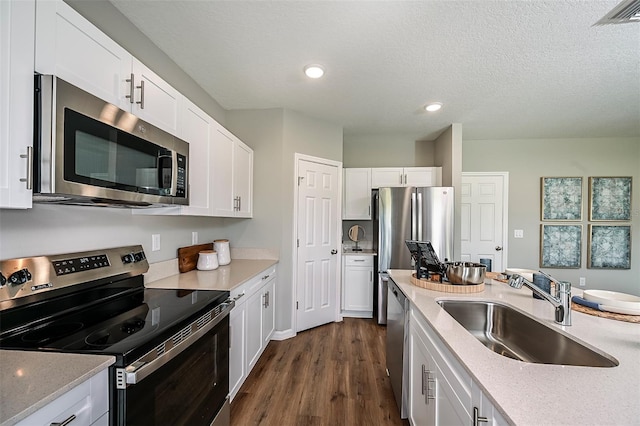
x,y
513,334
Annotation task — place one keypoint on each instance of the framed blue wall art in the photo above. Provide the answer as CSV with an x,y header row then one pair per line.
x,y
561,198
609,198
609,247
560,246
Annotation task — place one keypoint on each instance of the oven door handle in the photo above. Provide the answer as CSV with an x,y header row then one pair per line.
x,y
139,370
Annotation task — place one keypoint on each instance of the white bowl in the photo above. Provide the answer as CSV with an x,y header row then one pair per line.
x,y
613,298
527,273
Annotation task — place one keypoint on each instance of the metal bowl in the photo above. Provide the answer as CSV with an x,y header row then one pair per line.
x,y
466,273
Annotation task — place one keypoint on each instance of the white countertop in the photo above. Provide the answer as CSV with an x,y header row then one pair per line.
x,y
30,380
226,277
537,394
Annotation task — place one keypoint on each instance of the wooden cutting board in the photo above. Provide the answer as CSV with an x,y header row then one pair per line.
x,y
188,256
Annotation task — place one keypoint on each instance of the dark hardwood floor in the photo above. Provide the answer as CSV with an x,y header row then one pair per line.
x,y
330,375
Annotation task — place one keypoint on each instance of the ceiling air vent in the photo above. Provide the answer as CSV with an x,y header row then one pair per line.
x,y
625,12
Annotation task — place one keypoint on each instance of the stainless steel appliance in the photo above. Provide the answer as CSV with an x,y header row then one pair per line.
x,y
90,152
171,346
424,214
397,347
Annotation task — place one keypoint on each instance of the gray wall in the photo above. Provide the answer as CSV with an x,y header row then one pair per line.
x,y
527,161
396,150
48,229
113,23
277,135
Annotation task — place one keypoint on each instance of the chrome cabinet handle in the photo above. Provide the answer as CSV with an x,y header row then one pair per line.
x,y
239,203
132,86
141,101
65,422
430,380
264,301
424,381
477,418
358,260
29,157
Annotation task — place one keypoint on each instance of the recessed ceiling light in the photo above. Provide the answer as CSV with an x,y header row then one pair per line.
x,y
314,71
432,107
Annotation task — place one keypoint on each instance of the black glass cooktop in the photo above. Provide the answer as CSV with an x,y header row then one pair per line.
x,y
122,319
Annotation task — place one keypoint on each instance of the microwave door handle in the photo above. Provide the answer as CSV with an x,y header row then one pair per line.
x,y
174,173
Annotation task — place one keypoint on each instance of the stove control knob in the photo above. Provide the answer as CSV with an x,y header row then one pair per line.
x,y
128,258
20,277
138,256
3,280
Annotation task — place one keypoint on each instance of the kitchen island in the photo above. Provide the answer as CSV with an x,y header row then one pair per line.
x,y
536,394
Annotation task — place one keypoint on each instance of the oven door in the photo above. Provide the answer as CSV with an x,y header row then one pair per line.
x,y
190,389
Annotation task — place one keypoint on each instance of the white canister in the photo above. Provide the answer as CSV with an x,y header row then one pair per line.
x,y
207,260
224,254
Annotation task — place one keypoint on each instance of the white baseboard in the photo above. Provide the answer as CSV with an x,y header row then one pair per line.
x,y
283,335
357,314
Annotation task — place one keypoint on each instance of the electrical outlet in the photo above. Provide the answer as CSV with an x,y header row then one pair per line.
x,y
583,281
155,242
194,238
518,233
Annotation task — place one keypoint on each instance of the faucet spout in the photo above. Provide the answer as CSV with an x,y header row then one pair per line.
x,y
561,301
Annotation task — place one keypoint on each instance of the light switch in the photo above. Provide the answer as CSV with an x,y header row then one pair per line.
x,y
518,233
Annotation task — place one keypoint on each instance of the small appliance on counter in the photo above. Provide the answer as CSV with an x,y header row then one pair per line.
x,y
356,233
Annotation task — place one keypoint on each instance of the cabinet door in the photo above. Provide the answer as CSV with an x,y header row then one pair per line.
x,y
358,289
422,404
69,46
155,100
243,179
17,30
268,311
196,128
382,177
450,409
254,329
421,176
237,350
356,194
222,173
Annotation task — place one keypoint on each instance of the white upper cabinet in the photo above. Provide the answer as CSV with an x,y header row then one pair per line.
x,y
72,48
382,177
232,176
154,100
17,20
196,127
356,204
243,179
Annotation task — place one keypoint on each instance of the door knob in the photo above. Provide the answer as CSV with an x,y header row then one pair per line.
x,y
498,248
334,251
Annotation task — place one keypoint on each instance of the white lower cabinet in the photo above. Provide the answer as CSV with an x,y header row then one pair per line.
x,y
252,323
357,286
88,402
441,392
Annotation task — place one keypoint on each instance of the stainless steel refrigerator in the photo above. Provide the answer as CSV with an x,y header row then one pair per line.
x,y
409,213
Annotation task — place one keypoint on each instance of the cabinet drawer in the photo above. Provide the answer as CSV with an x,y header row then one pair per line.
x,y
358,260
253,284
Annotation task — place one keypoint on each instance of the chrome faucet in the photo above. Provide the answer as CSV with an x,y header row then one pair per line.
x,y
561,301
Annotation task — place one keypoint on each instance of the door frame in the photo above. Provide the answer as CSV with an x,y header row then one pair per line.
x,y
505,209
294,273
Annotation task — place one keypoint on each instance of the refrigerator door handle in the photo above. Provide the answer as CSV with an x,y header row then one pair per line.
x,y
419,236
414,225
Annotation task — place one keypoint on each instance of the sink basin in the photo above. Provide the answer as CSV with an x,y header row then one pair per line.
x,y
512,333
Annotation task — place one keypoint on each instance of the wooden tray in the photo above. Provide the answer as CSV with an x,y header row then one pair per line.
x,y
603,314
445,287
188,256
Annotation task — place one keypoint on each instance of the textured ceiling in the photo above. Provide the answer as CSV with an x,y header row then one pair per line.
x,y
504,69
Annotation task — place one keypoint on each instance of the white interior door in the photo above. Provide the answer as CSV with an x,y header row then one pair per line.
x,y
484,218
318,209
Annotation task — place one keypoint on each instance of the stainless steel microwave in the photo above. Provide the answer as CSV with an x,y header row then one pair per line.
x,y
90,152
